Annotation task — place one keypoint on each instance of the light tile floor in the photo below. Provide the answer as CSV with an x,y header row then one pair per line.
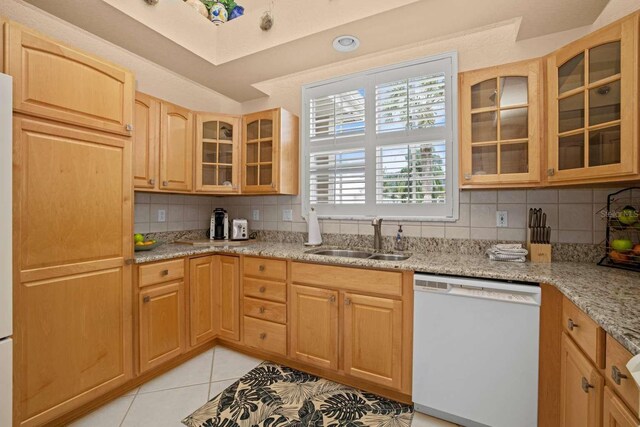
x,y
167,399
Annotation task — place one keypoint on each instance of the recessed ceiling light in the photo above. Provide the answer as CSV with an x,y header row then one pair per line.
x,y
346,43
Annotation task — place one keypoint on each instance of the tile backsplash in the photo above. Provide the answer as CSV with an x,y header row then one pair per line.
x,y
573,214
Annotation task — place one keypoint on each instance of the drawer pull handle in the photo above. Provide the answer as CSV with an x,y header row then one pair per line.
x,y
332,298
164,273
262,289
262,310
585,385
261,268
571,324
616,375
263,336
146,299
152,181
165,183
347,301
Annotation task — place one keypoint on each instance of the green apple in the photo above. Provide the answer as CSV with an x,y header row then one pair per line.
x,y
622,245
138,238
628,215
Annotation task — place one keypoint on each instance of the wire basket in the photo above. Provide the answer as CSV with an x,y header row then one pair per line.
x,y
623,230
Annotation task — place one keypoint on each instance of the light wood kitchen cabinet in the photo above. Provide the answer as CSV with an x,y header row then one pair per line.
x,y
72,289
217,148
618,376
314,326
593,107
615,414
500,122
161,324
373,339
176,148
54,81
202,300
270,152
581,388
227,281
146,140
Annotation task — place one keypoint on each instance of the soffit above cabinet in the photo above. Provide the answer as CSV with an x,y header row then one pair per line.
x,y
233,57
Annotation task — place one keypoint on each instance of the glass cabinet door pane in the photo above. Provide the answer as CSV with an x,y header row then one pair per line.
x,y
571,152
226,131
571,74
514,123
252,152
209,154
484,127
266,178
514,158
571,113
483,94
225,153
252,175
604,103
266,128
225,175
604,146
513,91
604,61
252,130
484,160
266,151
210,130
208,175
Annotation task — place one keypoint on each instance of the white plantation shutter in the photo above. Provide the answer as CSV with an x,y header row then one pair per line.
x,y
383,143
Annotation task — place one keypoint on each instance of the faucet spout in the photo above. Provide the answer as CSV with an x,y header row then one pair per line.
x,y
377,233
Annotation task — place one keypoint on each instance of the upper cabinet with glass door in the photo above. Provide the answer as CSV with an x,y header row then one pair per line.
x,y
270,153
500,113
217,153
593,107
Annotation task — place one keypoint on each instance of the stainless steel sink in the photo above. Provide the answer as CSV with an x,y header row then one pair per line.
x,y
349,253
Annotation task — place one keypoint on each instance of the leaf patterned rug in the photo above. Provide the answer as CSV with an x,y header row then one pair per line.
x,y
273,395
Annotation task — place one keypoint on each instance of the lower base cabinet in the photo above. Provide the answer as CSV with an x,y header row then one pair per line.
x,y
227,285
161,324
202,300
615,413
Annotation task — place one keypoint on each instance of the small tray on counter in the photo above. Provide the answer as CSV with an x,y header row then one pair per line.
x,y
139,248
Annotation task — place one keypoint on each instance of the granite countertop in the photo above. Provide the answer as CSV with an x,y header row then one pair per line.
x,y
609,296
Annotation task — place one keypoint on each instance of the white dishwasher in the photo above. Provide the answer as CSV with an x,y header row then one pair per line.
x,y
475,350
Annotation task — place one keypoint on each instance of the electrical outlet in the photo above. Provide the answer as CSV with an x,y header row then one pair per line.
x,y
502,219
162,215
256,214
287,215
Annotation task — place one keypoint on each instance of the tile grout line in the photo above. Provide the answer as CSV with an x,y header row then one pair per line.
x,y
213,358
129,407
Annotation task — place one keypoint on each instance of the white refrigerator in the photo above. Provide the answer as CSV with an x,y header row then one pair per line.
x,y
6,281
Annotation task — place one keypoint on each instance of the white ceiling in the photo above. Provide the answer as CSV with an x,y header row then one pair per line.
x,y
234,57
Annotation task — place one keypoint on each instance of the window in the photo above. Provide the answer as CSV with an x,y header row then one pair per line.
x,y
383,143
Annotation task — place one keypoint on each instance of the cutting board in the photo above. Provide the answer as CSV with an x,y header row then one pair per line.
x,y
207,242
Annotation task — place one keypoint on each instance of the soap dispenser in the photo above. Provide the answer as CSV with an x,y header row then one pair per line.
x,y
399,246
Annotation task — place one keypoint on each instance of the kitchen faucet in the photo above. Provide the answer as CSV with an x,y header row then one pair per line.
x,y
377,233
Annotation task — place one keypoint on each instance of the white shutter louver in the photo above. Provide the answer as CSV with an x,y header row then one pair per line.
x,y
409,104
337,116
411,173
337,178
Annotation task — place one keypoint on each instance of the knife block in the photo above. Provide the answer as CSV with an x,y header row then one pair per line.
x,y
538,252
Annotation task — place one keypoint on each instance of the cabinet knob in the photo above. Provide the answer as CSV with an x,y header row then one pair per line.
x,y
261,268
164,273
551,171
152,181
263,336
467,176
347,301
262,289
128,127
165,183
616,375
262,310
146,299
332,298
129,261
585,385
571,325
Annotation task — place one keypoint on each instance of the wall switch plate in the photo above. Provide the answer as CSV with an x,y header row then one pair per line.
x,y
502,219
287,215
256,214
162,215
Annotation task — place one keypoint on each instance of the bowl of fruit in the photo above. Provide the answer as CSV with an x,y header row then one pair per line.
x,y
140,244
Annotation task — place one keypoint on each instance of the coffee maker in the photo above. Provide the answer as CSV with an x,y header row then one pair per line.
x,y
219,229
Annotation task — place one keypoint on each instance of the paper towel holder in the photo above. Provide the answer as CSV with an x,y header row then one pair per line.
x,y
316,229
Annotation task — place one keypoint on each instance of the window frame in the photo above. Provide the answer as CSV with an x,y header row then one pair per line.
x,y
371,141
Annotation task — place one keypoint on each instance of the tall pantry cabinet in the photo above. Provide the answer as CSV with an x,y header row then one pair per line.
x,y
72,221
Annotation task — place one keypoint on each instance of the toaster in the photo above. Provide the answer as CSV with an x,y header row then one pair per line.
x,y
239,229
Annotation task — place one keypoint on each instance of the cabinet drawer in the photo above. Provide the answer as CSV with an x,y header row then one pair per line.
x,y
265,268
356,279
265,310
584,331
267,336
265,289
619,377
150,274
